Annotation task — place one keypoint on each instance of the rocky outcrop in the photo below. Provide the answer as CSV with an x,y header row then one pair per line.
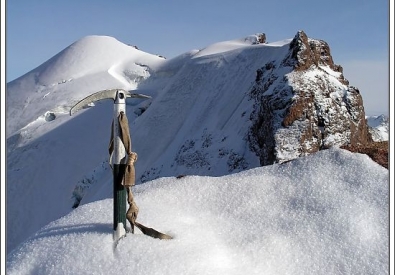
x,y
261,38
305,52
303,104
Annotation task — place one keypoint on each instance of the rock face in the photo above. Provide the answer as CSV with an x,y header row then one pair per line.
x,y
304,104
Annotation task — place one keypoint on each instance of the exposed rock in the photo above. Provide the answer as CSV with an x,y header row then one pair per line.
x,y
308,108
377,151
305,52
261,38
258,38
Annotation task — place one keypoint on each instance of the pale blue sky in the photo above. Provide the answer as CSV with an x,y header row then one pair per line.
x,y
357,30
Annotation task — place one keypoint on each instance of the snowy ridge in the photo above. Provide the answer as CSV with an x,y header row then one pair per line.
x,y
88,65
195,124
56,154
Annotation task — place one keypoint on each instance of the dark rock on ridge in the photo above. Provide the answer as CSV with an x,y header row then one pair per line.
x,y
308,108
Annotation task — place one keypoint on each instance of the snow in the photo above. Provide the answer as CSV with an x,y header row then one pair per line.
x,y
231,45
280,219
379,127
66,156
91,64
322,214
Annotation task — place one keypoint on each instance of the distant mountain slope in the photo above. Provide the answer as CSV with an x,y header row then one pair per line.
x,y
88,65
229,107
379,127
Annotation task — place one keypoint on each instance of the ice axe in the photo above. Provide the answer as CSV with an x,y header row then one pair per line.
x,y
119,154
117,95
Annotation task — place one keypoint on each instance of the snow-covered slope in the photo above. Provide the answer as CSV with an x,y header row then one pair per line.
x,y
88,65
379,127
52,153
195,124
322,214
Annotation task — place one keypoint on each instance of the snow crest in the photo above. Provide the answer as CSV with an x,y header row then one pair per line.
x,y
322,214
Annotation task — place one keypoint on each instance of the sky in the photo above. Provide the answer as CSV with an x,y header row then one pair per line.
x,y
357,31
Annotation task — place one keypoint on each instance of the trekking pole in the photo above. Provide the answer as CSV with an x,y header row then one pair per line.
x,y
118,158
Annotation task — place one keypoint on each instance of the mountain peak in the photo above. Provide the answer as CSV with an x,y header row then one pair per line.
x,y
88,55
306,52
102,61
231,106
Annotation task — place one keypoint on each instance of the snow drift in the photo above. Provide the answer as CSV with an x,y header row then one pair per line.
x,y
322,214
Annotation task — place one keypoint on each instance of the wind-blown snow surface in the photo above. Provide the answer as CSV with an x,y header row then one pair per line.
x,y
56,161
52,153
322,214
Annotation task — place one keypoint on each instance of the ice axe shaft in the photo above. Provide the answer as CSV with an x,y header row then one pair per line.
x,y
119,154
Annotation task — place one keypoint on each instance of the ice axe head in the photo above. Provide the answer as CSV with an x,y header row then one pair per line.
x,y
113,94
